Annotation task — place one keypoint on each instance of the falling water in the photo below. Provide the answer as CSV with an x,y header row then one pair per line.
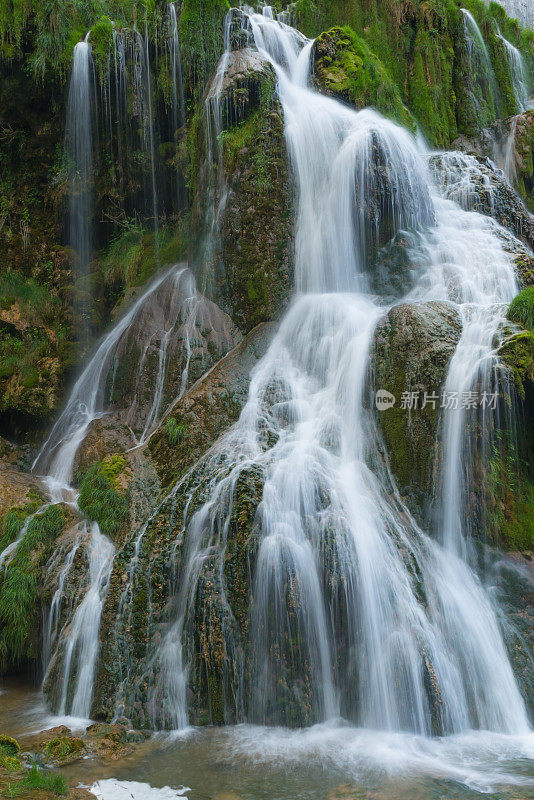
x,y
480,66
520,76
356,611
79,148
178,103
80,643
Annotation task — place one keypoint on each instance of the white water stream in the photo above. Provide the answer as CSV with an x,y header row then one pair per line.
x,y
337,547
408,603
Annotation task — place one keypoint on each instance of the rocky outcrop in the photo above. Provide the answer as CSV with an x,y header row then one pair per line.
x,y
345,68
175,337
150,561
477,185
412,348
208,408
245,199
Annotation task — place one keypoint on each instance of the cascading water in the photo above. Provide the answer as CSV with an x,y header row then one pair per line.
x,y
520,76
79,645
79,149
178,102
480,74
356,611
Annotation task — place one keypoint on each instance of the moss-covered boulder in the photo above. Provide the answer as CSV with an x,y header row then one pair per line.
x,y
345,68
8,746
63,750
412,349
208,409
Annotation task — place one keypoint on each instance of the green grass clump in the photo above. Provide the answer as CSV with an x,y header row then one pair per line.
x,y
101,502
132,258
175,431
12,521
37,779
521,310
19,591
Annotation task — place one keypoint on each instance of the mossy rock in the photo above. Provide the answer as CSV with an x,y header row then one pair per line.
x,y
517,353
521,310
11,764
63,749
8,746
412,349
346,68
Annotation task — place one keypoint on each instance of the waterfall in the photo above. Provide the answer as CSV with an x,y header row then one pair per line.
x,y
78,646
520,76
356,612
79,149
480,66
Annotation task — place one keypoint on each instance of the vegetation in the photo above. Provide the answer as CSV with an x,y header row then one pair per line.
x,y
175,431
346,67
8,746
521,310
100,500
20,615
63,749
37,779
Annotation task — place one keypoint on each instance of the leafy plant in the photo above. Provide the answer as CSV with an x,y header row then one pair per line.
x,y
175,431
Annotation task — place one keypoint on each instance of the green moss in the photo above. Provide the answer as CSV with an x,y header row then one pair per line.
x,y
100,501
112,466
346,67
8,746
510,490
521,310
11,764
201,39
19,591
63,749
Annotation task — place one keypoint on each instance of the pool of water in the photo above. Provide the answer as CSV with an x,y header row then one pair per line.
x,y
326,762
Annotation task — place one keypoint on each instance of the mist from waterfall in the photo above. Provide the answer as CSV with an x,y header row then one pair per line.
x,y
352,601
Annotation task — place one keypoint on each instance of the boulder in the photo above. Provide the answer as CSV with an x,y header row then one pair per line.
x,y
208,408
412,348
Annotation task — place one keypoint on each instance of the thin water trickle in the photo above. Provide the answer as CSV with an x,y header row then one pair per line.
x,y
79,150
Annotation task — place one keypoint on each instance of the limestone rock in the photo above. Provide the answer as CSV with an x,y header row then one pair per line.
x,y
412,348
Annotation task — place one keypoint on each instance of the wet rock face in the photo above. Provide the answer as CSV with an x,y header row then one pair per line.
x,y
208,408
476,184
243,207
412,348
141,600
177,335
